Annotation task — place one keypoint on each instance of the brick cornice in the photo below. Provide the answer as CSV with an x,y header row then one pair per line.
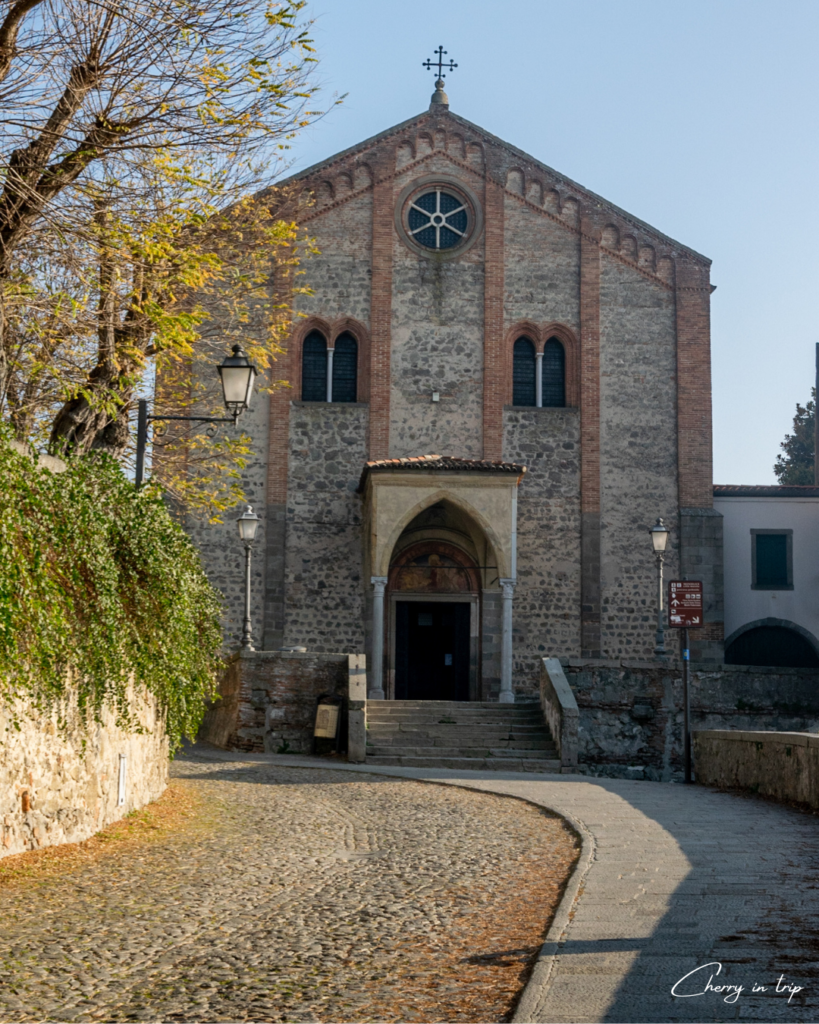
x,y
482,175
589,238
446,119
318,211
389,177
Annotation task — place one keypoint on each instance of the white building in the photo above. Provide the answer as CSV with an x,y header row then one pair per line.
x,y
771,559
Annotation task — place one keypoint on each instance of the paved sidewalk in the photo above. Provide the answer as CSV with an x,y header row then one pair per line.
x,y
672,878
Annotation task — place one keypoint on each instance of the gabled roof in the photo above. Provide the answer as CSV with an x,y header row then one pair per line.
x,y
520,154
439,464
765,491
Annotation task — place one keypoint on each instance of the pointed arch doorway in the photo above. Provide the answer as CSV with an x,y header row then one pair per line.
x,y
434,611
469,505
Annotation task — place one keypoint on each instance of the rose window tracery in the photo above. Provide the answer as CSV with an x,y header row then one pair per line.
x,y
438,219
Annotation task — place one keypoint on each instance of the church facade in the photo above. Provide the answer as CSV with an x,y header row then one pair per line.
x,y
497,383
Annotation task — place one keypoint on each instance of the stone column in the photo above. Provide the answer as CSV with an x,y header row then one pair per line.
x,y
507,695
330,352
539,379
377,674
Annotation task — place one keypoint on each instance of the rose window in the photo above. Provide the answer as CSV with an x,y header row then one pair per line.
x,y
437,219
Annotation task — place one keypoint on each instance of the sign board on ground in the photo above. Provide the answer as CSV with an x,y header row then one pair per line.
x,y
326,721
685,604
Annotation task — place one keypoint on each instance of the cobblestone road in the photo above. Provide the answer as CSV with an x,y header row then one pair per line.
x,y
295,895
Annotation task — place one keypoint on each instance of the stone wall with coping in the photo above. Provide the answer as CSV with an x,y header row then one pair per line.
x,y
631,713
268,700
62,786
547,594
783,765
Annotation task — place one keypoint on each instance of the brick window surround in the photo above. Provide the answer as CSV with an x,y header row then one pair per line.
x,y
331,329
539,334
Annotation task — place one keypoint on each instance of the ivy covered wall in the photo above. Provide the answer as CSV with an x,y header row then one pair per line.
x,y
100,592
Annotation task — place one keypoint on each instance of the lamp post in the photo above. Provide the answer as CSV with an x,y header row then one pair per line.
x,y
248,523
659,538
237,374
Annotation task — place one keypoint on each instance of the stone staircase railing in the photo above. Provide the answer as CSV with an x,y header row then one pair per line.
x,y
559,710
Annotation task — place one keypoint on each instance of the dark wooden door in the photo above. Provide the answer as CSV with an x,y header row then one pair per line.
x,y
432,650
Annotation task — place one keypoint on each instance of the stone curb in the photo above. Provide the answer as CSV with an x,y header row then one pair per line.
x,y
536,988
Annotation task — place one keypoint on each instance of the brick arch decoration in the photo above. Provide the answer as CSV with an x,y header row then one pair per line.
x,y
566,336
463,577
331,329
539,334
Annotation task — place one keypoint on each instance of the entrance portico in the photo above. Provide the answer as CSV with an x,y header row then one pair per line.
x,y
440,554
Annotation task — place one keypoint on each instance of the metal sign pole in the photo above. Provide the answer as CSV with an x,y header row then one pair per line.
x,y
142,439
686,706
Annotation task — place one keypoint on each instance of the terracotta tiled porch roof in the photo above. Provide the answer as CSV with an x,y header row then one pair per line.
x,y
440,464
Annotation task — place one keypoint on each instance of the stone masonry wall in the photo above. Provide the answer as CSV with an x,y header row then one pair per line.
x,y
434,325
324,609
268,700
631,712
222,552
62,787
437,345
541,270
638,453
339,277
547,595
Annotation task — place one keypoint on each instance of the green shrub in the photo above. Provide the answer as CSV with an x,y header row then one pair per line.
x,y
100,587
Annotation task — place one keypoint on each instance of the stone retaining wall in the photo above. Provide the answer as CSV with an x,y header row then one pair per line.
x,y
268,699
784,765
63,786
631,719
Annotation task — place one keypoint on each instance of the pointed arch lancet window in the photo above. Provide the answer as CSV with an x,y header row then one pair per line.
x,y
523,373
345,368
554,373
314,368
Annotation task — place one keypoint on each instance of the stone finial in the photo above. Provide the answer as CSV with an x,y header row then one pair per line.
x,y
439,97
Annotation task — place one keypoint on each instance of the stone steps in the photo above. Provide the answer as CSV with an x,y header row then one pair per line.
x,y
545,751
392,721
452,717
454,734
496,764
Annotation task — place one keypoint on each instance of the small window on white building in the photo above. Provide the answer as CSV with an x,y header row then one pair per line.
x,y
772,559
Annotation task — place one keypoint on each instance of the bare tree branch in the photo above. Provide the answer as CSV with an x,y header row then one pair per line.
x,y
9,30
176,112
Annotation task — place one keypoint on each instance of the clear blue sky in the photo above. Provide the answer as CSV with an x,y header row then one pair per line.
x,y
698,117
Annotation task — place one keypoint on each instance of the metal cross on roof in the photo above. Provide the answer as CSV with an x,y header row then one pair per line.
x,y
439,64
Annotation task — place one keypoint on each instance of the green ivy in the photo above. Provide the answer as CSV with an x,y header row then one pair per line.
x,y
100,587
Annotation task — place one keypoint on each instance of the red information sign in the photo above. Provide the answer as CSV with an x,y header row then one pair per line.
x,y
685,604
